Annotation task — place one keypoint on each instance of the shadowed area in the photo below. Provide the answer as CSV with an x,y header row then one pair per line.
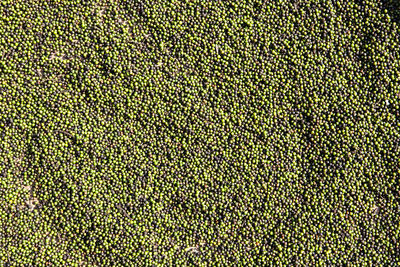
x,y
393,8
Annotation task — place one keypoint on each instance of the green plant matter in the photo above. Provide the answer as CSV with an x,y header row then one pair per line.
x,y
176,133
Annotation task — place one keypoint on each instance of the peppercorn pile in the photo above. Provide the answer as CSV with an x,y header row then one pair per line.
x,y
200,133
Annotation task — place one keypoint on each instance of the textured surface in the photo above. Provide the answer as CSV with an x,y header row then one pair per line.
x,y
199,132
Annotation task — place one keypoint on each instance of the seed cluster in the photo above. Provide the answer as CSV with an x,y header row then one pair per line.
x,y
193,132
